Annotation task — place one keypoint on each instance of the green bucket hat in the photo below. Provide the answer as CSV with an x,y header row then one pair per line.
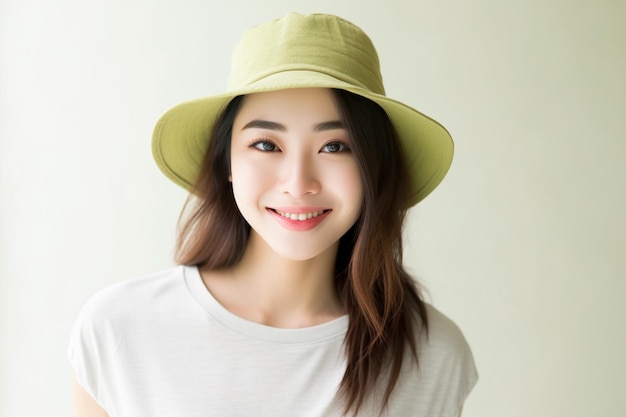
x,y
298,52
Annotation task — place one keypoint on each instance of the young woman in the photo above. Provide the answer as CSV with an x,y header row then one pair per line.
x,y
290,298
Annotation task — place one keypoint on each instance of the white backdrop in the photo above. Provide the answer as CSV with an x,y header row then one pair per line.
x,y
523,245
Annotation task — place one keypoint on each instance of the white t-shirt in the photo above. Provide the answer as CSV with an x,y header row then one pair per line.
x,y
161,345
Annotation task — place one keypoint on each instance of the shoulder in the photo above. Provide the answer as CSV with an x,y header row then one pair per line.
x,y
446,363
443,333
444,344
127,308
111,316
444,376
131,297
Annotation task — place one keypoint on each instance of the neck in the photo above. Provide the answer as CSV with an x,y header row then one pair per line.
x,y
283,292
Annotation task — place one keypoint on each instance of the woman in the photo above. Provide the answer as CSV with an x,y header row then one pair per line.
x,y
290,298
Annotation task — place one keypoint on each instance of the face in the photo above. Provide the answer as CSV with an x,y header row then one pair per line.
x,y
295,179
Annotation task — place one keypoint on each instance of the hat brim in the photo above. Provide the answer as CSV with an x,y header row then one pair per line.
x,y
182,134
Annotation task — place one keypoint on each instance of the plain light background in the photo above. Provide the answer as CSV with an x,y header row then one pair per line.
x,y
523,245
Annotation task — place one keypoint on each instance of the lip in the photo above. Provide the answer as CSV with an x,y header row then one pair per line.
x,y
298,225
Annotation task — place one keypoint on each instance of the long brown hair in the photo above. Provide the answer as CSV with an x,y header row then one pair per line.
x,y
386,312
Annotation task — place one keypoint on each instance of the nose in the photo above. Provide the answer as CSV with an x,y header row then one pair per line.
x,y
298,177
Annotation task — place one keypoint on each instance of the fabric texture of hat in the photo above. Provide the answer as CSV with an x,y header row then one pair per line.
x,y
299,52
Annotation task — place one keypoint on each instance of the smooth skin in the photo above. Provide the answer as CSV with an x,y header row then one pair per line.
x,y
84,404
289,153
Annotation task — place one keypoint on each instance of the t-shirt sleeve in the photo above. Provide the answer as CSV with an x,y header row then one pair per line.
x,y
85,352
465,376
454,370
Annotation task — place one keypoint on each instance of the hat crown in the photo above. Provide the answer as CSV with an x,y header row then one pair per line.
x,y
320,43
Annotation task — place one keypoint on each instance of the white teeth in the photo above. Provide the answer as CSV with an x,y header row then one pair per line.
x,y
300,216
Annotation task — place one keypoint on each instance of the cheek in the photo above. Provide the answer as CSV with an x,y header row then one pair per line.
x,y
346,184
246,163
353,181
249,178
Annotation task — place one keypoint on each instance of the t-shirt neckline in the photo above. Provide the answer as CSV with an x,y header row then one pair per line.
x,y
333,329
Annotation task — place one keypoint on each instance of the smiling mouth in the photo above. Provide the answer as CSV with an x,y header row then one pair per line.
x,y
300,216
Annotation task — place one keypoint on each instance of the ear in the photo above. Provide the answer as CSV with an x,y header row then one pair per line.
x,y
230,178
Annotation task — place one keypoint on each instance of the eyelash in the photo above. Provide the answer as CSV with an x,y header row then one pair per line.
x,y
260,143
343,147
255,144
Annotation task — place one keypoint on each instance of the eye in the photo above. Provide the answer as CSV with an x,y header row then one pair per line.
x,y
335,147
265,145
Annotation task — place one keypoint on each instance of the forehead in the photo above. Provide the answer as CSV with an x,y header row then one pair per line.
x,y
302,105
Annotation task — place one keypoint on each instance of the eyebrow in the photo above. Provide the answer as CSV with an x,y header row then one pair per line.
x,y
331,125
269,125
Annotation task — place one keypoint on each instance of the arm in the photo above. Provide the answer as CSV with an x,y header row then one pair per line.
x,y
84,404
